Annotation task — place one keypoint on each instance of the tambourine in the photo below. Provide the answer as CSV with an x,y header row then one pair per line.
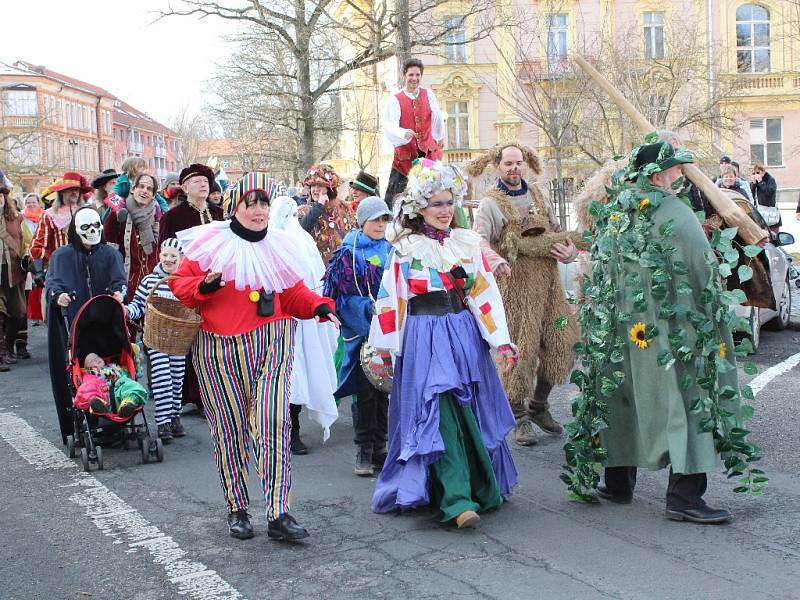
x,y
378,369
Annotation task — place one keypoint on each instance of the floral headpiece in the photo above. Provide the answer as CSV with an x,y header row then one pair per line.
x,y
322,174
428,177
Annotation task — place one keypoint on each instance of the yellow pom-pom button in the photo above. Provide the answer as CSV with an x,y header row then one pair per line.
x,y
254,296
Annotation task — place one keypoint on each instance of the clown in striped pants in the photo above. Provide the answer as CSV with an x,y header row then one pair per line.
x,y
244,385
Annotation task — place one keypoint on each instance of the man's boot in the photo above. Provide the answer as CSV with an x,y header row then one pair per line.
x,y
12,327
296,445
5,358
524,435
540,409
21,341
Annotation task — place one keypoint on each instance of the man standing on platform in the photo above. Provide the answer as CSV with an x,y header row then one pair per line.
x,y
413,124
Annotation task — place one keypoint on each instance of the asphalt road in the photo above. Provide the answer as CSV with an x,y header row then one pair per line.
x,y
158,531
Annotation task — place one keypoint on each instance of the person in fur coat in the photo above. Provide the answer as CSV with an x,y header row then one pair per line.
x,y
523,243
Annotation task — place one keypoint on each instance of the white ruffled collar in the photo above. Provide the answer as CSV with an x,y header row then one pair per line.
x,y
265,264
462,244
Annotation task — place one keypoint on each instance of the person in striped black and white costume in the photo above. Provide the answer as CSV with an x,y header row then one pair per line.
x,y
166,370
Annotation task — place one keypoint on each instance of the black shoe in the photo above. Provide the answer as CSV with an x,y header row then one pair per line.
x,y
379,457
296,445
177,427
363,466
703,514
165,433
603,492
286,528
239,525
22,350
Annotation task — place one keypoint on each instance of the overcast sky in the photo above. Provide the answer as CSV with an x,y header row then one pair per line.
x,y
158,67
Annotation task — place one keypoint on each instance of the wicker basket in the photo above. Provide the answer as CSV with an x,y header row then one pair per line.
x,y
169,326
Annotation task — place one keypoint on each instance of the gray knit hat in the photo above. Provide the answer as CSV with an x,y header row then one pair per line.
x,y
170,178
371,208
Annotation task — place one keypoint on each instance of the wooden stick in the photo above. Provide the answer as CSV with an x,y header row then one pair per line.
x,y
727,208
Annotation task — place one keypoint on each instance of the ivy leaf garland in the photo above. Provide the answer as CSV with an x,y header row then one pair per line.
x,y
622,234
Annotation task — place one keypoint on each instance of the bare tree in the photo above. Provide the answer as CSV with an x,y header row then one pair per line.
x,y
293,53
669,80
549,90
21,152
192,132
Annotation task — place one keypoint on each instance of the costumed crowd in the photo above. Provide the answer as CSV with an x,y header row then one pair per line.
x,y
447,330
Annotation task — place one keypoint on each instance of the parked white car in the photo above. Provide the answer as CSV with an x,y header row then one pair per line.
x,y
779,264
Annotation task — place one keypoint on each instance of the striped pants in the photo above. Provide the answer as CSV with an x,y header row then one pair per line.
x,y
166,383
244,386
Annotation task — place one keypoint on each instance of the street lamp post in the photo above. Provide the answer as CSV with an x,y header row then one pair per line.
x,y
73,143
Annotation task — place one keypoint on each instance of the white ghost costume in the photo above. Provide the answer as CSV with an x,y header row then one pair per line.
x,y
313,373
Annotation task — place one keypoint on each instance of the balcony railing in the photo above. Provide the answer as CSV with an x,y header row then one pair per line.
x,y
160,151
766,84
135,147
13,121
461,156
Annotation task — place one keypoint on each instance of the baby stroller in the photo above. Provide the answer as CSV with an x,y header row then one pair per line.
x,y
100,327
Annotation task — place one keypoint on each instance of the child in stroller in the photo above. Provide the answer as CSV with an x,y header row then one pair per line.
x,y
100,330
107,388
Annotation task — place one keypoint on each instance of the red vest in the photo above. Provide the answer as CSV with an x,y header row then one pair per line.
x,y
417,116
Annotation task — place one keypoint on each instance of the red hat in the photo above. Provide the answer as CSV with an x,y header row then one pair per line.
x,y
72,180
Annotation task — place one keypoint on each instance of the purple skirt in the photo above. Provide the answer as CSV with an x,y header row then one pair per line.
x,y
441,354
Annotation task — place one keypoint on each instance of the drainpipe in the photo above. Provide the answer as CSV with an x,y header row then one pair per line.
x,y
99,134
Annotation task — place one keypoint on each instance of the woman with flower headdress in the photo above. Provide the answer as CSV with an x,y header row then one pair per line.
x,y
325,217
248,294
440,313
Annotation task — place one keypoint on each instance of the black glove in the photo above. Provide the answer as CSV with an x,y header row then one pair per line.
x,y
25,263
323,311
208,287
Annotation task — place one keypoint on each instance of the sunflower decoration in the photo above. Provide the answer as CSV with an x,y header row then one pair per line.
x,y
638,335
723,349
644,203
615,217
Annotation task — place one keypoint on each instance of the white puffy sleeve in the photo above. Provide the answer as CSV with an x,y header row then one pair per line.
x,y
392,132
386,330
437,120
486,304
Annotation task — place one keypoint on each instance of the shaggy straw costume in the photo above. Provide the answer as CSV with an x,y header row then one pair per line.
x,y
538,314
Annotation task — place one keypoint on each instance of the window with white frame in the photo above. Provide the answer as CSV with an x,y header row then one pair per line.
x,y
766,141
752,39
457,125
657,108
654,35
556,38
20,103
455,41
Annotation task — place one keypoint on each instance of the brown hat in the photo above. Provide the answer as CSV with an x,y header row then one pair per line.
x,y
365,182
195,170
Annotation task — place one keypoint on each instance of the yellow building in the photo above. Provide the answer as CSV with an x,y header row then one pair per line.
x,y
754,48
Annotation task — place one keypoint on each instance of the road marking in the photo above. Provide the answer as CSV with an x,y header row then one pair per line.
x,y
758,383
115,518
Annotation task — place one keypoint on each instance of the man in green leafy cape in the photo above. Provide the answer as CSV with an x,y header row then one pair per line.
x,y
659,384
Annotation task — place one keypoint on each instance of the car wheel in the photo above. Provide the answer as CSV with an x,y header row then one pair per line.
x,y
781,321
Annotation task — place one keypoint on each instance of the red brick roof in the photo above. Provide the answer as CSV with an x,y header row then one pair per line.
x,y
70,81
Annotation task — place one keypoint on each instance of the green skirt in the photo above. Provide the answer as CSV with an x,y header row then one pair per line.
x,y
463,478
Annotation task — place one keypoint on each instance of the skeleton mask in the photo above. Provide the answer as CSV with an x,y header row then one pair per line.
x,y
88,227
